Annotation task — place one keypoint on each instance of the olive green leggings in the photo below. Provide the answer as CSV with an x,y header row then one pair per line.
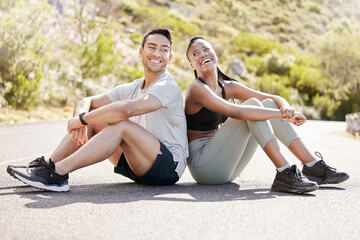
x,y
221,158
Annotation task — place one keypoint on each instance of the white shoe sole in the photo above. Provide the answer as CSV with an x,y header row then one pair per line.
x,y
55,188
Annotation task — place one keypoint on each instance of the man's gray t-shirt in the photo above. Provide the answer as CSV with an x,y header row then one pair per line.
x,y
167,124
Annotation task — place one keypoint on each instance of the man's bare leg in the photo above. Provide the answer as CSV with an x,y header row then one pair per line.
x,y
139,146
68,146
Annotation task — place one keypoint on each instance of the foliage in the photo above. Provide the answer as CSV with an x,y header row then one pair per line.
x,y
252,43
276,63
314,7
21,50
274,84
303,50
167,19
340,58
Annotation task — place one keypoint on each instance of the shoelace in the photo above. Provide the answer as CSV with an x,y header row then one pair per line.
x,y
37,161
298,174
322,162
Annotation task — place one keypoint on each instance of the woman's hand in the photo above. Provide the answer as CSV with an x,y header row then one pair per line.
x,y
288,113
299,119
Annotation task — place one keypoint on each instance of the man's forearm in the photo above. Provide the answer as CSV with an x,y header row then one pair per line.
x,y
83,105
111,113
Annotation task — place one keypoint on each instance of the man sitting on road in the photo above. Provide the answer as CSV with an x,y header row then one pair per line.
x,y
140,127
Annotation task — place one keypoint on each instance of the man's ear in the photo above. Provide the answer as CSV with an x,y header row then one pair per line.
x,y
171,56
140,50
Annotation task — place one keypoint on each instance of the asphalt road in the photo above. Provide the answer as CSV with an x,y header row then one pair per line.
x,y
103,205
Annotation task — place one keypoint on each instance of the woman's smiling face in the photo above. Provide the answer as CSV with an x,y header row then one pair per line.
x,y
202,56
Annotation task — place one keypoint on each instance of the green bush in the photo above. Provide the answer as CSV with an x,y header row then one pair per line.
x,y
24,91
274,84
307,80
253,63
99,58
316,8
326,106
23,46
340,58
252,43
156,16
276,63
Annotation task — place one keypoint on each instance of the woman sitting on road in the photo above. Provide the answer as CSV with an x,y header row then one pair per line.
x,y
217,155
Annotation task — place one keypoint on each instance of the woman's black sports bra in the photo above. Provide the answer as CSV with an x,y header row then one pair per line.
x,y
205,119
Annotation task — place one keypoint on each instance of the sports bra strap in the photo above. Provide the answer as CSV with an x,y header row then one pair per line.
x,y
222,86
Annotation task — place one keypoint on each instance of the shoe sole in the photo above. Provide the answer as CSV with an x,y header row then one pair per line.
x,y
281,187
320,181
10,170
55,188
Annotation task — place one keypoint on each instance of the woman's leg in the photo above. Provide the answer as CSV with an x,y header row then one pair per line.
x,y
287,135
314,170
220,159
213,160
249,151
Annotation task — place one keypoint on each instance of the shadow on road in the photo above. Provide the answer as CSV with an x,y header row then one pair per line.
x,y
131,192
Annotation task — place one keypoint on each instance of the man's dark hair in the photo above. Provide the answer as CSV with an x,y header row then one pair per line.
x,y
163,31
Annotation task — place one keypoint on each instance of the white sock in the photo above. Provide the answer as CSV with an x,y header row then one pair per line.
x,y
280,169
310,164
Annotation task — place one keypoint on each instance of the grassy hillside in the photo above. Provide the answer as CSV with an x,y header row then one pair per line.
x,y
305,50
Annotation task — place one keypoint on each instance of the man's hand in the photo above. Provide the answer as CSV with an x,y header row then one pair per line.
x,y
79,135
77,130
74,123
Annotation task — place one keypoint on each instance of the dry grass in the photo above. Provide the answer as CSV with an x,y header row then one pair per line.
x,y
345,134
8,115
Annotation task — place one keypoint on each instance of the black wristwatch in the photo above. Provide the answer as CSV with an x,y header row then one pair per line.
x,y
81,118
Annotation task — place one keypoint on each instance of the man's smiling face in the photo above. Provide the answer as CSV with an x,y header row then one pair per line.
x,y
156,53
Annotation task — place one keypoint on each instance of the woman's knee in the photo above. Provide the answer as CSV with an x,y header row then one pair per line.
x,y
269,103
254,102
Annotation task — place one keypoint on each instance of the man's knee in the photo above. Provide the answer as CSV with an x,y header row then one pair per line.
x,y
93,129
121,126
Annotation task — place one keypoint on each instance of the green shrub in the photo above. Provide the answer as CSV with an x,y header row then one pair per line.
x,y
253,63
276,63
274,84
23,46
157,16
99,58
306,79
24,91
316,8
326,106
251,43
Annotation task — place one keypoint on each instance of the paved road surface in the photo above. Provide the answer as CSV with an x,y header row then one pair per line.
x,y
102,205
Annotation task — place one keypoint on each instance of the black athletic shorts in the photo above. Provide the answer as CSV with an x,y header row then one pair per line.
x,y
161,173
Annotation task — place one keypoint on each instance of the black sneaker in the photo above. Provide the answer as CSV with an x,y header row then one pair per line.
x,y
43,176
324,174
293,181
36,162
